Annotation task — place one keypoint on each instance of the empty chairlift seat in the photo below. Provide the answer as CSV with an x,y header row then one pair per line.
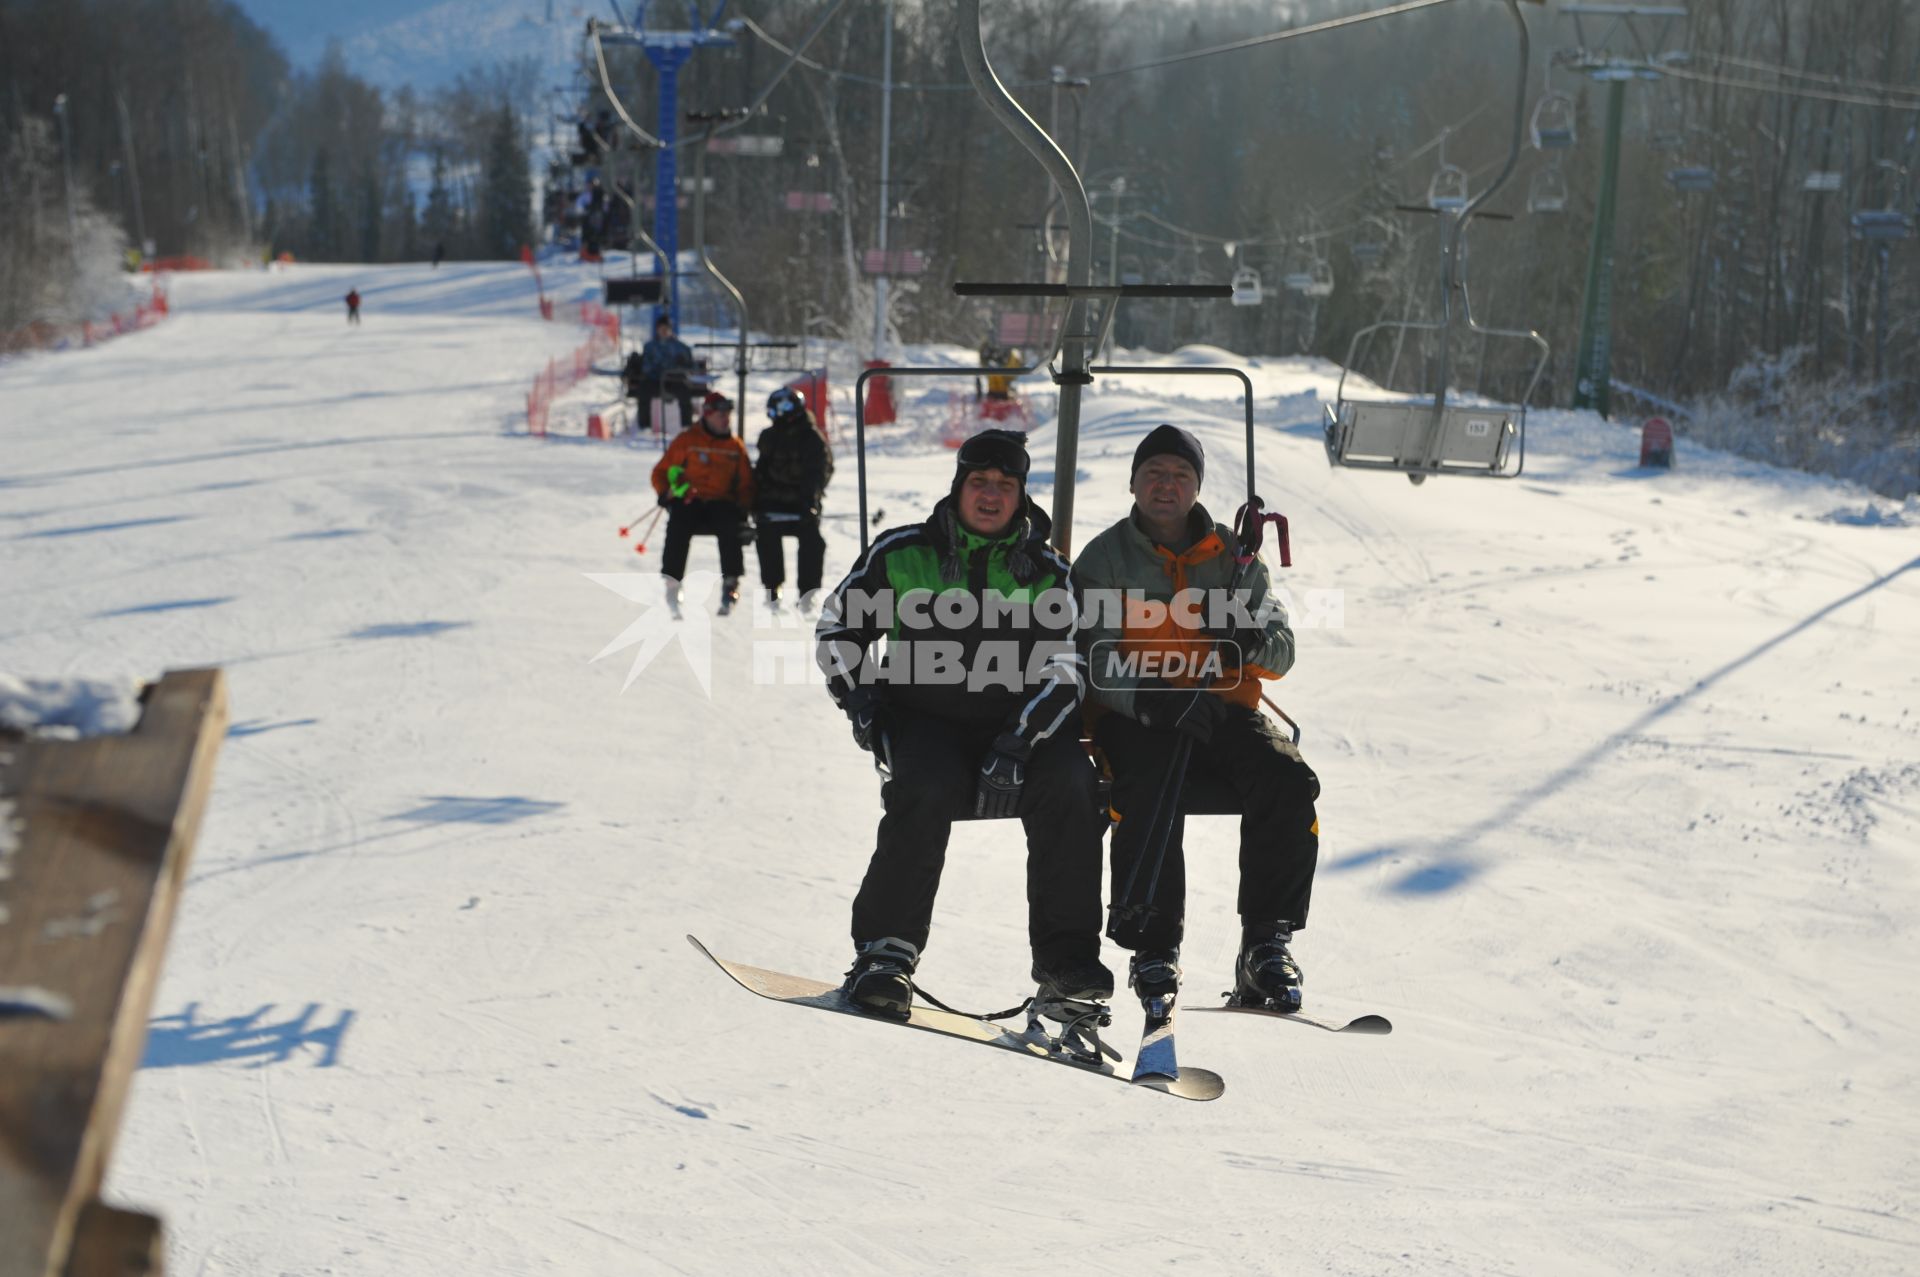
x,y
1553,128
1246,287
1418,437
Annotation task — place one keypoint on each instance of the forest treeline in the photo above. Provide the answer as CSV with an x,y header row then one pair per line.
x,y
180,130
1301,156
1747,290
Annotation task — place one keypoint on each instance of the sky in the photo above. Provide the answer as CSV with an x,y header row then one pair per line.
x,y
423,42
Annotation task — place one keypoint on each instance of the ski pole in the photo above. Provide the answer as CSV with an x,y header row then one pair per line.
x,y
1268,701
641,548
628,526
1128,917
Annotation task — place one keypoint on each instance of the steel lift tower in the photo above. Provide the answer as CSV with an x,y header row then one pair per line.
x,y
669,49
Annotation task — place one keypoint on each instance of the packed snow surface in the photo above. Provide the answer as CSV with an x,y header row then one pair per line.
x,y
1622,801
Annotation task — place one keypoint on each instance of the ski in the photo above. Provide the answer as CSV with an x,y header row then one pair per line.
x,y
1157,1059
778,986
1366,1025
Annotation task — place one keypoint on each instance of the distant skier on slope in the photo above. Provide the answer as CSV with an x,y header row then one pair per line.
x,y
706,482
976,709
353,306
1168,543
789,483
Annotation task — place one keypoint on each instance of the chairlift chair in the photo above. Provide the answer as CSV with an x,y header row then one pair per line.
x,y
1690,178
1883,224
1298,281
1430,436
1320,280
1246,287
1553,123
1547,193
1447,192
1820,180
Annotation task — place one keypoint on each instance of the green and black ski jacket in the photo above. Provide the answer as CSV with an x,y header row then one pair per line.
x,y
977,630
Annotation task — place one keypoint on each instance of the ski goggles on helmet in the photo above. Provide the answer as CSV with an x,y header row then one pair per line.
x,y
783,401
1002,450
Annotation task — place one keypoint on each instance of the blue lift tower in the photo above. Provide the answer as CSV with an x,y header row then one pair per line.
x,y
669,49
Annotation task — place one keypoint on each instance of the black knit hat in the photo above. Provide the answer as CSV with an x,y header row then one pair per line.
x,y
1002,450
1170,441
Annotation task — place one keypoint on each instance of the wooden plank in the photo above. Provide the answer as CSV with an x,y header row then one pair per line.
x,y
116,1243
107,826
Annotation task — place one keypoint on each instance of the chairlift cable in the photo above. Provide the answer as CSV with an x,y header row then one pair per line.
x,y
1836,81
1729,82
1233,46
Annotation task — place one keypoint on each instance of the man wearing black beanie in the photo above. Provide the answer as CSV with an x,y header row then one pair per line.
x,y
991,728
1154,676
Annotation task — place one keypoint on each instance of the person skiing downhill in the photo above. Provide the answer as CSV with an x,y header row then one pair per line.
x,y
705,480
789,483
975,710
1166,545
353,306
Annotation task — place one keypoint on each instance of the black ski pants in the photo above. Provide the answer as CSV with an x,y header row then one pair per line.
x,y
771,528
652,388
936,769
1279,831
719,519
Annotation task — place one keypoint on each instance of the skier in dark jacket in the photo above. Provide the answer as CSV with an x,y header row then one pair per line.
x,y
789,483
1130,578
664,366
976,710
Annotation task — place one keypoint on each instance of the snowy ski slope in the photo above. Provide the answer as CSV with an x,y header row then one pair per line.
x,y
1622,800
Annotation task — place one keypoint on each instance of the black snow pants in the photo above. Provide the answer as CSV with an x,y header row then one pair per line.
x,y
936,769
771,528
719,519
652,388
1279,831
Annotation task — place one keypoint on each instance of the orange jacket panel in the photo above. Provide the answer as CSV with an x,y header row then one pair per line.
x,y
716,467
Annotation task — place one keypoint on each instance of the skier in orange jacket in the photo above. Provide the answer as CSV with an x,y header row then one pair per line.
x,y
705,479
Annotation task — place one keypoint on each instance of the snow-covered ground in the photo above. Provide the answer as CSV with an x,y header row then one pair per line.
x,y
1622,801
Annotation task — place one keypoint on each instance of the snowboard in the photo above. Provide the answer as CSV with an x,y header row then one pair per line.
x,y
1188,1083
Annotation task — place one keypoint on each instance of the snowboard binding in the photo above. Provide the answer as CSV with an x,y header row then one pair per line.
x,y
1078,1036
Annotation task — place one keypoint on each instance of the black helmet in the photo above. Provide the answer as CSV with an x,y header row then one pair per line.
x,y
783,401
1002,450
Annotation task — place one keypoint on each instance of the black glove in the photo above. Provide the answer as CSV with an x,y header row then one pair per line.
x,y
1236,643
863,712
1001,775
1192,710
746,531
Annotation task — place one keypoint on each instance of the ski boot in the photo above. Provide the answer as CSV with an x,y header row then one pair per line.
x,y
729,594
673,598
1266,975
1154,977
881,981
773,600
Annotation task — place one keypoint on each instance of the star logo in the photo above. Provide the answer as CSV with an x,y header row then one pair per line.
x,y
656,628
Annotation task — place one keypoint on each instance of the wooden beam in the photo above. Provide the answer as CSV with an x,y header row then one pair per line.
x,y
105,829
